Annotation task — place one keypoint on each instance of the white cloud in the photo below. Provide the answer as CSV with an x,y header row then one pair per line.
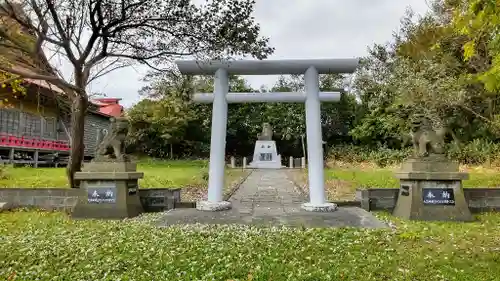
x,y
298,29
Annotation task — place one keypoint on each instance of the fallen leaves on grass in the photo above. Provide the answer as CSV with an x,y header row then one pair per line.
x,y
50,246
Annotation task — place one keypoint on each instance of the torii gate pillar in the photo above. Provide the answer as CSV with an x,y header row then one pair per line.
x,y
312,99
218,143
315,145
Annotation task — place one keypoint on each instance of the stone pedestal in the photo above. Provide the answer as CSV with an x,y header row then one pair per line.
x,y
109,190
431,189
265,155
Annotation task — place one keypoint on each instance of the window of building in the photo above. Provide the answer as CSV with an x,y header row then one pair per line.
x,y
32,125
9,121
49,127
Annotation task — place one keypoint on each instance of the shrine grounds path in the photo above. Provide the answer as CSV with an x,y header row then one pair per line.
x,y
270,197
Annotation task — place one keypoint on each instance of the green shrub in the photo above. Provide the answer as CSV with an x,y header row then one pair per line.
x,y
348,153
385,156
382,156
478,151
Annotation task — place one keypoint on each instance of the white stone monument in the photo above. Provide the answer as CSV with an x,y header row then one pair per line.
x,y
265,153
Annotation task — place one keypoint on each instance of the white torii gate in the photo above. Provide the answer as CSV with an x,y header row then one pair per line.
x,y
312,98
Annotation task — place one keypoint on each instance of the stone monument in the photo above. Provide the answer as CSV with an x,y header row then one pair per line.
x,y
430,184
109,183
265,154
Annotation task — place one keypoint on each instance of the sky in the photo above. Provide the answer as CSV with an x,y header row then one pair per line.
x,y
298,29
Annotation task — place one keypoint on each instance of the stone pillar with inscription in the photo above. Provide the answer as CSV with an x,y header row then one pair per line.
x,y
109,184
265,155
430,184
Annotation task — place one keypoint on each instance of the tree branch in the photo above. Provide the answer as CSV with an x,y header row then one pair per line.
x,y
65,40
478,115
35,76
149,57
105,71
95,26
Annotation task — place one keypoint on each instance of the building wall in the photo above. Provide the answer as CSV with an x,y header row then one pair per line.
x,y
31,115
94,124
35,115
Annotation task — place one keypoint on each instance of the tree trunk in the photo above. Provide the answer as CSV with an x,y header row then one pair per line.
x,y
78,112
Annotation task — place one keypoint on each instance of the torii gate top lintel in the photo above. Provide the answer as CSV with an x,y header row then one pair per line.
x,y
267,67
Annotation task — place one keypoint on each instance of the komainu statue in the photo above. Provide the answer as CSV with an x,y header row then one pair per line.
x,y
426,141
113,144
267,132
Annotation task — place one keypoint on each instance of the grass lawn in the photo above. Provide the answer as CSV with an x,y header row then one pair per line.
x,y
342,182
156,174
50,246
189,175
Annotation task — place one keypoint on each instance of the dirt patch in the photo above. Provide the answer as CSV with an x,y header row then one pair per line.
x,y
200,192
299,178
234,179
340,190
335,189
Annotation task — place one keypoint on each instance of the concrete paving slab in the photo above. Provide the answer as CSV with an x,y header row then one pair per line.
x,y
343,217
269,198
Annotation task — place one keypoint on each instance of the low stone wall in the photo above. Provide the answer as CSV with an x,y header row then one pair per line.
x,y
479,199
64,199
158,200
161,199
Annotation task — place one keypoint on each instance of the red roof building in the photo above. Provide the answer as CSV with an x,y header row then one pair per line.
x,y
109,106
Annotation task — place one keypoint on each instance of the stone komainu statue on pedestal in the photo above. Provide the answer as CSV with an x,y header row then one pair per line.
x,y
112,146
426,141
267,132
430,184
110,181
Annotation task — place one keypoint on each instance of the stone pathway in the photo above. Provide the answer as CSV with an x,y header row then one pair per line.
x,y
268,197
267,192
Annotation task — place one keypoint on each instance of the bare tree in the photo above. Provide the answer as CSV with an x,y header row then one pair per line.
x,y
99,36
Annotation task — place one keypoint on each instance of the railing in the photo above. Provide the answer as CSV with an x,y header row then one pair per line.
x,y
8,140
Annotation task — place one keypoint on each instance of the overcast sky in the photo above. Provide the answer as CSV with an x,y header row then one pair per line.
x,y
298,29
